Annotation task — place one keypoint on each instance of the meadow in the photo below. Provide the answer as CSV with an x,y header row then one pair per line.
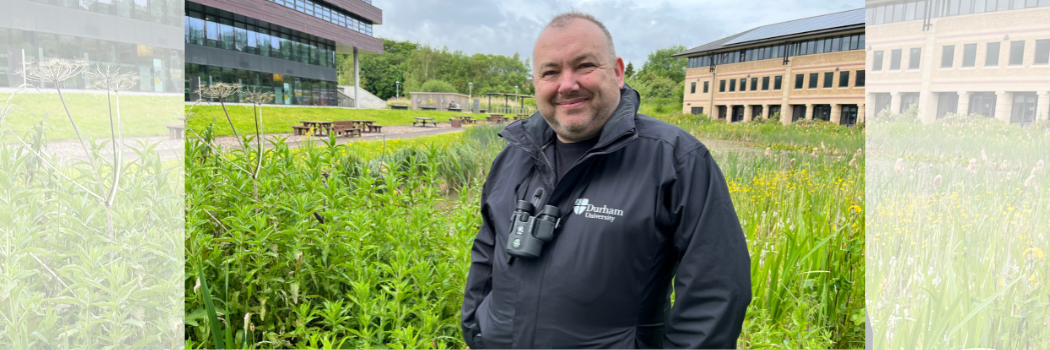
x,y
958,237
143,115
367,244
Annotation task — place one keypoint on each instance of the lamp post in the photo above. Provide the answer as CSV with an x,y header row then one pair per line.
x,y
397,91
470,96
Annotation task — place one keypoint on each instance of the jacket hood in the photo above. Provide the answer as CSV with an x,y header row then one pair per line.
x,y
534,132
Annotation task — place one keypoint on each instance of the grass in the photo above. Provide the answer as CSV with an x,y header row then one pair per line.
x,y
142,115
958,239
367,245
281,119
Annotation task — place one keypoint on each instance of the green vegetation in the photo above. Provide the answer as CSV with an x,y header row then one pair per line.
x,y
367,245
415,64
141,115
957,250
281,119
435,85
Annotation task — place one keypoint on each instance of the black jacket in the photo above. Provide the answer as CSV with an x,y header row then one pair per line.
x,y
657,204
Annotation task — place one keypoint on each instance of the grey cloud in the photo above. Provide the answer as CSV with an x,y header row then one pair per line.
x,y
638,27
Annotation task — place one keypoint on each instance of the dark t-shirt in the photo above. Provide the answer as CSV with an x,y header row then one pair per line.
x,y
566,154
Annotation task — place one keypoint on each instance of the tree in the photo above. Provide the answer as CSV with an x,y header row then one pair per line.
x,y
660,63
629,72
437,86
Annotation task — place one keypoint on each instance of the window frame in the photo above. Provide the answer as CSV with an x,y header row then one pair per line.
x,y
876,61
813,80
989,53
947,56
969,55
915,58
844,79
829,80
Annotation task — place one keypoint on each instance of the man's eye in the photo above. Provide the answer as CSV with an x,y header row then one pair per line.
x,y
587,65
547,73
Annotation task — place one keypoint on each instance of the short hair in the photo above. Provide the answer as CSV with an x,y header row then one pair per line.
x,y
563,20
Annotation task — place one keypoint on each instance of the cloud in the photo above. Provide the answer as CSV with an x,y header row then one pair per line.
x,y
638,27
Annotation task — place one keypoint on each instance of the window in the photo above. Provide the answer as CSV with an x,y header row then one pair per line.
x,y
913,58
798,80
692,88
754,83
813,80
743,84
776,82
705,87
732,85
860,79
947,56
828,77
697,110
1016,52
969,55
991,58
765,83
722,85
895,59
876,63
1042,51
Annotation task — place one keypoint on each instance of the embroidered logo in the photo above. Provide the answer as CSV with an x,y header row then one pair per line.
x,y
583,206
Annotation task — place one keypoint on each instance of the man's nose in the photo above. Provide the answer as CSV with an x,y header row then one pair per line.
x,y
568,83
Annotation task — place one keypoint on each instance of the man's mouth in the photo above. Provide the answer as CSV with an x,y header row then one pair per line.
x,y
573,103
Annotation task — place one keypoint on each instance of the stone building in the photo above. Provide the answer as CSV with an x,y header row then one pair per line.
x,y
983,57
810,68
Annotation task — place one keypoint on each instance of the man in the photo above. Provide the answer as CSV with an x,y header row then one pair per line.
x,y
641,202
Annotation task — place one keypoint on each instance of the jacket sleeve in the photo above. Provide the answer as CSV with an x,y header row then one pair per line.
x,y
479,278
713,280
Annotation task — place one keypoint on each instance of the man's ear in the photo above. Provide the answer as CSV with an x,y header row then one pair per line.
x,y
619,70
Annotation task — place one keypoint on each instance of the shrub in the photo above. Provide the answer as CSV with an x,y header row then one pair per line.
x,y
435,85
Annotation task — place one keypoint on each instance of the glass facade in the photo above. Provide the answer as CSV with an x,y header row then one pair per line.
x,y
791,48
329,14
212,27
287,89
168,12
159,69
911,10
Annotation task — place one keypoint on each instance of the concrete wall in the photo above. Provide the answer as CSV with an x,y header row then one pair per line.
x,y
368,100
850,61
930,79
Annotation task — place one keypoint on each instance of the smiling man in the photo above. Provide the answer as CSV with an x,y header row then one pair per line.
x,y
639,203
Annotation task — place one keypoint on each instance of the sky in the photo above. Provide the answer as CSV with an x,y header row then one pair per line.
x,y
638,27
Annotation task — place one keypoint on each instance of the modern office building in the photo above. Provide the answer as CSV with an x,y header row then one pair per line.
x,y
284,46
136,36
986,57
810,68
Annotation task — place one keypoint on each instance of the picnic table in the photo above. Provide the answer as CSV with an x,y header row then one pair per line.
x,y
398,107
498,118
428,108
521,116
467,119
320,127
424,121
176,131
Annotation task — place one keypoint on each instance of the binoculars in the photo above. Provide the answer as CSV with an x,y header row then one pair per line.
x,y
529,232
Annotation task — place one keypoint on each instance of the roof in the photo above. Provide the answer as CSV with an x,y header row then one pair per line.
x,y
810,25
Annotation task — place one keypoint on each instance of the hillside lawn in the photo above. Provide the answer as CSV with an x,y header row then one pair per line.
x,y
281,119
140,115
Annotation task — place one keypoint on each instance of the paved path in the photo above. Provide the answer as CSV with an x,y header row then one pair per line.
x,y
169,149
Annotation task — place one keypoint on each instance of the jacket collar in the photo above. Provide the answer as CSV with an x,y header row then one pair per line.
x,y
533,133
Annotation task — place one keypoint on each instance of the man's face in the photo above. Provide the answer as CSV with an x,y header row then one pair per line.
x,y
577,83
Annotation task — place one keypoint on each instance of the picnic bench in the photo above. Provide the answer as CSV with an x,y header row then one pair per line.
x,y
320,127
176,131
424,120
300,130
455,109
467,119
428,108
497,118
398,107
521,116
346,127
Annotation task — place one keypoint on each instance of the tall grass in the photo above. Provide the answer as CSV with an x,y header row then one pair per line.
x,y
956,258
367,245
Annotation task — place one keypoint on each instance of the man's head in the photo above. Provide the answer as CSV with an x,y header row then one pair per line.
x,y
577,76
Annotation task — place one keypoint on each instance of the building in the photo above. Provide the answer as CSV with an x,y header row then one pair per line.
x,y
810,68
983,57
284,46
438,100
134,36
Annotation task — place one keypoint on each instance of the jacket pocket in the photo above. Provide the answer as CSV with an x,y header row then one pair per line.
x,y
479,343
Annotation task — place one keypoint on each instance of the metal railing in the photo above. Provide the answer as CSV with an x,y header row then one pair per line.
x,y
511,110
